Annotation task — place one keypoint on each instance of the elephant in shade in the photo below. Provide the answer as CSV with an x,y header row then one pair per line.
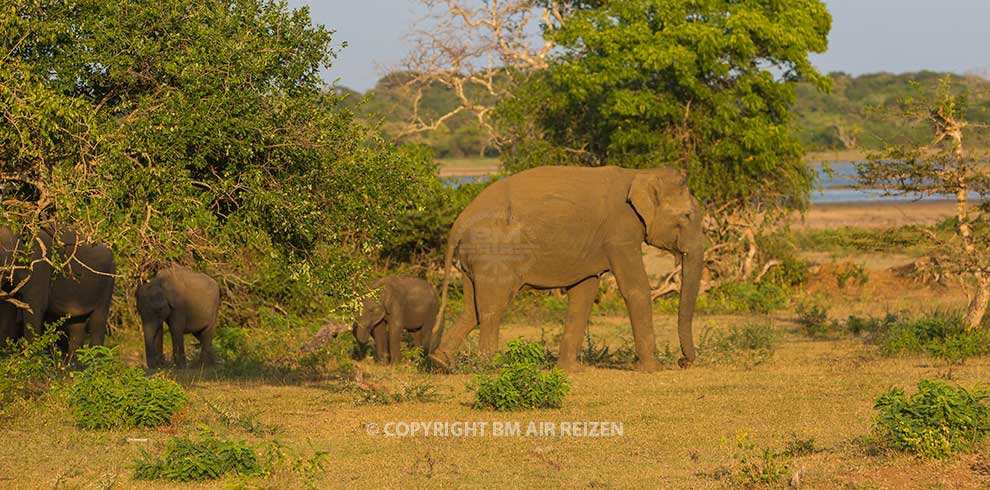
x,y
401,303
186,300
563,227
79,292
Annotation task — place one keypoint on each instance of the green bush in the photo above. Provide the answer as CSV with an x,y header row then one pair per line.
x,y
813,319
207,458
28,367
758,467
940,333
106,394
934,423
522,380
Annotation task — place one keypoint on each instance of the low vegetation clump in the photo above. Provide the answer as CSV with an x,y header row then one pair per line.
x,y
207,457
940,333
106,394
523,380
736,297
601,354
749,344
758,467
423,392
27,367
936,422
283,347
813,319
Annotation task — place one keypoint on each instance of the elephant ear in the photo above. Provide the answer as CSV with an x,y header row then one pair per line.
x,y
644,195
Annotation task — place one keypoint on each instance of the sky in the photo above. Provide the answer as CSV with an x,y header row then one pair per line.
x,y
867,36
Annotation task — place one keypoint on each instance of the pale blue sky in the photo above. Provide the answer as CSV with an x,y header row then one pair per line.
x,y
867,36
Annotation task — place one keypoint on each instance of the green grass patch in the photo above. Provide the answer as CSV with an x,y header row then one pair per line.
x,y
750,344
28,368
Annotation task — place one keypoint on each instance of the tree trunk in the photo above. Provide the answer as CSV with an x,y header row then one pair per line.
x,y
978,304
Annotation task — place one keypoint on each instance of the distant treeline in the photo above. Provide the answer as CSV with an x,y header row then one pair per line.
x,y
848,118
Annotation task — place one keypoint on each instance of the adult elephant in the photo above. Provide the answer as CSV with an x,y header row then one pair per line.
x,y
80,292
562,227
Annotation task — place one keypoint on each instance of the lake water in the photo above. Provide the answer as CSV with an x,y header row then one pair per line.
x,y
835,189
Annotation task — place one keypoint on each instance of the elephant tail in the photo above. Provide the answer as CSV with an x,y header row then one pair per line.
x,y
448,260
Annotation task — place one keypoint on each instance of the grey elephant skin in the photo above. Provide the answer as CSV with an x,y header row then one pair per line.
x,y
401,303
562,227
189,303
81,292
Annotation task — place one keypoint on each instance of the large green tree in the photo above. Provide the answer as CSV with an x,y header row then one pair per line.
x,y
704,85
199,131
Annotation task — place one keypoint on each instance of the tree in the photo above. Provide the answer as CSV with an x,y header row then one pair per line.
x,y
704,85
477,50
944,166
200,131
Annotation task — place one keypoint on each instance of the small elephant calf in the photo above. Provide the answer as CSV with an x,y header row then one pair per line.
x,y
188,301
402,303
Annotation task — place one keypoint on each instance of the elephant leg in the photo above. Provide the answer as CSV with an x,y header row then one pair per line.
x,y
178,345
97,325
492,299
580,299
379,333
634,285
205,338
394,339
76,336
443,356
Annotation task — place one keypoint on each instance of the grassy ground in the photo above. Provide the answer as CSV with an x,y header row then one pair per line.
x,y
680,427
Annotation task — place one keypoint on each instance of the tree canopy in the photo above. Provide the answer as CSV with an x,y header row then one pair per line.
x,y
199,131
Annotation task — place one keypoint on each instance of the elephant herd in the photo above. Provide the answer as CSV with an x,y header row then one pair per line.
x,y
548,227
79,291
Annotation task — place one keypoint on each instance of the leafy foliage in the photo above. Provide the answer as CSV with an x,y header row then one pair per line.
x,y
522,381
27,367
939,333
205,458
183,147
934,423
758,467
106,394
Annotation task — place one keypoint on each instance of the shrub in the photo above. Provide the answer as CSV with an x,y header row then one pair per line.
x,y
941,334
27,367
813,319
106,394
207,458
522,381
934,423
756,467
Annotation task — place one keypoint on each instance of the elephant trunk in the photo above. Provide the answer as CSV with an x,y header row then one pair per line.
x,y
692,264
153,338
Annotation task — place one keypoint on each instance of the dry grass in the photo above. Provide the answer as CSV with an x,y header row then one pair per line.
x,y
678,425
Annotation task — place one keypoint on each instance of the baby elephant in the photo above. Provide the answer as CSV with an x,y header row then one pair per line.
x,y
401,303
188,301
